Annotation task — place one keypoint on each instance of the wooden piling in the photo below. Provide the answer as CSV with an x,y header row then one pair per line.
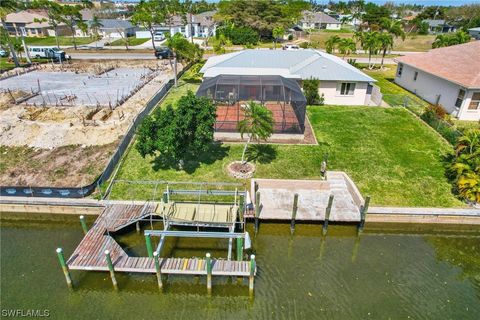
x,y
64,266
84,224
110,267
158,270
137,226
363,214
257,211
148,241
327,214
253,265
239,249
208,262
294,213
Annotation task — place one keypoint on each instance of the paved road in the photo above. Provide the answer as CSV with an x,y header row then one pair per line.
x,y
113,56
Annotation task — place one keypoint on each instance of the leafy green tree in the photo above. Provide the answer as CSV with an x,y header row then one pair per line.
x,y
347,46
450,39
374,14
261,15
385,41
72,17
277,33
257,124
238,35
54,15
182,49
176,134
332,43
9,6
310,88
148,14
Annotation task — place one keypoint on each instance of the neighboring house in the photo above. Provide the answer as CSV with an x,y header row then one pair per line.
x,y
24,23
319,20
340,82
449,77
202,25
474,33
439,26
116,28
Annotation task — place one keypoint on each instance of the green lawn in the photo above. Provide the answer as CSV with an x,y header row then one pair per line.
x,y
132,41
389,154
63,41
5,65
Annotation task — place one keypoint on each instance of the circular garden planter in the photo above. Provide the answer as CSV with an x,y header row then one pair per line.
x,y
240,170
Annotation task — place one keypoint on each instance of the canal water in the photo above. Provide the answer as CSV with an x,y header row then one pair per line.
x,y
383,274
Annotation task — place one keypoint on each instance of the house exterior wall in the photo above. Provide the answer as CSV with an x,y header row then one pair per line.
x,y
333,26
316,25
436,90
331,94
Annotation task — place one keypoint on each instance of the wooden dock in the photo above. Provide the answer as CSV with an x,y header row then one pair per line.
x,y
90,253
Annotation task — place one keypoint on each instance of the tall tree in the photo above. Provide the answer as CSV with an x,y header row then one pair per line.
x,y
182,49
54,15
95,26
385,42
257,124
72,17
394,27
371,44
148,14
9,6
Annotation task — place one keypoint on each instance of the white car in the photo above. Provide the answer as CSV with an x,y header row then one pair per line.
x,y
290,46
158,36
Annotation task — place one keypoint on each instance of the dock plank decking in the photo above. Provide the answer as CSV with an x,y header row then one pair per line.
x,y
90,253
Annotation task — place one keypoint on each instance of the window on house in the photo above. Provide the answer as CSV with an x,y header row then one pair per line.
x,y
347,88
415,75
460,97
475,102
399,70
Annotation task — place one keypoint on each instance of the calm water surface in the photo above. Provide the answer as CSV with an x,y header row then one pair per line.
x,y
384,274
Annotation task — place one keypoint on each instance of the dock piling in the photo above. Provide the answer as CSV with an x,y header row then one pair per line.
x,y
294,213
137,226
64,266
110,267
328,210
363,214
148,241
239,249
84,224
257,211
158,270
208,262
253,266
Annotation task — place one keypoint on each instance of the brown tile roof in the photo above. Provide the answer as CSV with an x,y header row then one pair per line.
x,y
459,64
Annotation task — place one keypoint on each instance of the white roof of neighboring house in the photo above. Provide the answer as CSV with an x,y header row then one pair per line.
x,y
25,16
318,17
474,29
297,64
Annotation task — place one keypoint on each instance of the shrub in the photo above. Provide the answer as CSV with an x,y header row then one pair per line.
x,y
434,116
310,88
290,37
240,35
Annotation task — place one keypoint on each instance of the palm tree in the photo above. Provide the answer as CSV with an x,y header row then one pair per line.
x,y
277,33
394,27
385,43
371,43
469,142
346,46
95,26
258,124
331,43
8,6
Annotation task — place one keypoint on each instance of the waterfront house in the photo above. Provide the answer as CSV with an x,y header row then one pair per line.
x,y
449,77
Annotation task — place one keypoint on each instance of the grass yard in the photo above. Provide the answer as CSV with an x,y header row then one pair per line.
x,y
6,65
132,41
411,43
63,41
389,154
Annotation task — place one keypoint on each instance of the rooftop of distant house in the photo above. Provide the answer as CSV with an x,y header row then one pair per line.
x,y
459,64
318,17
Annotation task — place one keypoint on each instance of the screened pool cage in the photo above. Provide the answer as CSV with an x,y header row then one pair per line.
x,y
232,93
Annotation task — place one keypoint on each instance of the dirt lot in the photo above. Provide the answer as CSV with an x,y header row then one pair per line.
x,y
66,146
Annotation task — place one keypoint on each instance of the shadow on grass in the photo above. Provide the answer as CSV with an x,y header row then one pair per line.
x,y
215,152
261,153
